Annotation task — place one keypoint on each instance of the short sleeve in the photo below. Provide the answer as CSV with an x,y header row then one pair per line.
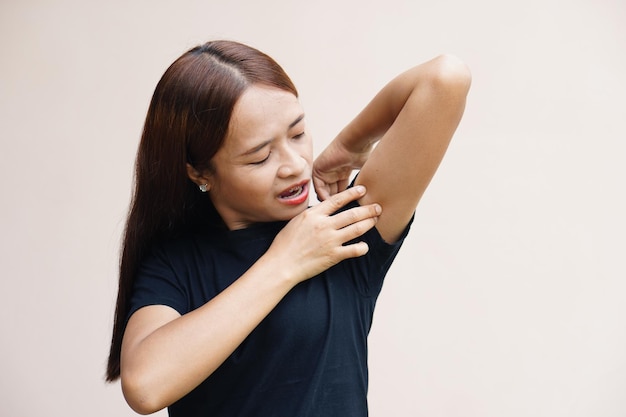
x,y
368,271
157,283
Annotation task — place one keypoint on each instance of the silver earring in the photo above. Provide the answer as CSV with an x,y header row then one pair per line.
x,y
203,187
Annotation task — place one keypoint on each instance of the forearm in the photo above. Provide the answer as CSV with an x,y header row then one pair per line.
x,y
165,355
379,114
413,119
172,360
383,110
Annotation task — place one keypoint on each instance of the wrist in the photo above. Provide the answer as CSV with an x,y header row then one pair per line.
x,y
283,273
355,141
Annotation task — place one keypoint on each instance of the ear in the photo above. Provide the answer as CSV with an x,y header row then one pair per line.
x,y
199,178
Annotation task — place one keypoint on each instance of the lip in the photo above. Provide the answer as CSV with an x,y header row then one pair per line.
x,y
298,199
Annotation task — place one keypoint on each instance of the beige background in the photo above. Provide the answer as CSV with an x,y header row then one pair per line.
x,y
508,297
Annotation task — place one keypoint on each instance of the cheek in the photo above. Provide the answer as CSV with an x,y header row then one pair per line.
x,y
259,182
232,183
306,150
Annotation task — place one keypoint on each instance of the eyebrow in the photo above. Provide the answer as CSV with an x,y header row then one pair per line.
x,y
298,120
267,142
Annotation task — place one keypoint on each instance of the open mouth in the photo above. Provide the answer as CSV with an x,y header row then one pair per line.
x,y
296,194
292,192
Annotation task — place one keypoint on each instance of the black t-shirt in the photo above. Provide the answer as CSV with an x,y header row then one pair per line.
x,y
308,357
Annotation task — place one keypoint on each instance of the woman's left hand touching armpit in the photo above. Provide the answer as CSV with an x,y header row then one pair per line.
x,y
332,168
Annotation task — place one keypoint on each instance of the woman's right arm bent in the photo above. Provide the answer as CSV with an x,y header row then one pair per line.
x,y
166,355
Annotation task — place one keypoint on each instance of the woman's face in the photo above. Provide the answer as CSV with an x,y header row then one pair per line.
x,y
262,172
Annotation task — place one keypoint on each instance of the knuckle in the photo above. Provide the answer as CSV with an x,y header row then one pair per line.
x,y
353,216
318,228
336,201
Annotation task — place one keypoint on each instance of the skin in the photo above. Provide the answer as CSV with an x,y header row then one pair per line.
x,y
267,151
411,120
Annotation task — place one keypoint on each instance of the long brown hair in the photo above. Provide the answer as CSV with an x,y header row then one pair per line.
x,y
187,122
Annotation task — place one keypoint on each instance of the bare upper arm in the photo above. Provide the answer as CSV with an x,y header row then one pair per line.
x,y
144,322
404,161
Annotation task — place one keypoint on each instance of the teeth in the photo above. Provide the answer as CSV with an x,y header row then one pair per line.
x,y
293,192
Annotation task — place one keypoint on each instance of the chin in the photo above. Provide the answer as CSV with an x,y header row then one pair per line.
x,y
295,211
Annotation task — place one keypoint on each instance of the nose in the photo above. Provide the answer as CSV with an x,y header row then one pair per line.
x,y
292,163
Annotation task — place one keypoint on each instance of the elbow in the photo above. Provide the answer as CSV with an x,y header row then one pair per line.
x,y
450,75
140,398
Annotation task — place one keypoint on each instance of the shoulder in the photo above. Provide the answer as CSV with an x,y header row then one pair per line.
x,y
192,253
178,247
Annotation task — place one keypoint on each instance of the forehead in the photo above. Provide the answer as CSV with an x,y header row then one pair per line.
x,y
260,114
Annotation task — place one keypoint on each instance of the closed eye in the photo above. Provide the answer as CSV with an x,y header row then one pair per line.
x,y
261,161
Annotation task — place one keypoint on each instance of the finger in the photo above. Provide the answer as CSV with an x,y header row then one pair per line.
x,y
343,184
356,230
339,200
322,189
353,250
328,176
356,214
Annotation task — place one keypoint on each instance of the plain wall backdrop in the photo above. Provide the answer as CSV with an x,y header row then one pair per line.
x,y
508,298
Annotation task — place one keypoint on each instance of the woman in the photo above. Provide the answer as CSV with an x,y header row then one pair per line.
x,y
235,298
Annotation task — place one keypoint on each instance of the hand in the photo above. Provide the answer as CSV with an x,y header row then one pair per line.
x,y
332,168
314,240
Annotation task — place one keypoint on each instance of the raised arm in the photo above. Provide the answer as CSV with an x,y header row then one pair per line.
x,y
398,141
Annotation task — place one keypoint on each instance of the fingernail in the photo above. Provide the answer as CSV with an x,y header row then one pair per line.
x,y
378,209
360,189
